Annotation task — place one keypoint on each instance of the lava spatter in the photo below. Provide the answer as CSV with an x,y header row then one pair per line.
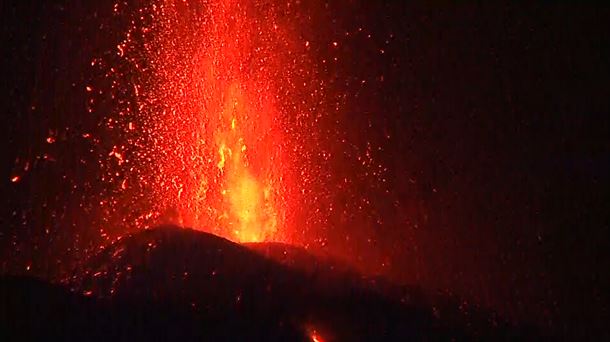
x,y
211,143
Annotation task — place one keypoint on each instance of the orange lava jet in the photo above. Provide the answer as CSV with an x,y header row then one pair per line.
x,y
208,125
248,209
224,101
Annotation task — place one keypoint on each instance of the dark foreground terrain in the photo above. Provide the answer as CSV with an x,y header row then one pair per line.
x,y
179,284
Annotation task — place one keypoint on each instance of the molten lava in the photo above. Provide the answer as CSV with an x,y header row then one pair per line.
x,y
228,116
207,121
249,210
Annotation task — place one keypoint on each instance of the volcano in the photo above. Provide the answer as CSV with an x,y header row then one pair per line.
x,y
174,283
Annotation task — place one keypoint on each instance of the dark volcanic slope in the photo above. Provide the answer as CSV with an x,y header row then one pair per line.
x,y
170,282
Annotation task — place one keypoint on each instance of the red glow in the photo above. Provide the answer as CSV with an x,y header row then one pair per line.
x,y
314,335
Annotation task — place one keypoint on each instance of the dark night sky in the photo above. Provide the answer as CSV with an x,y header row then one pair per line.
x,y
499,160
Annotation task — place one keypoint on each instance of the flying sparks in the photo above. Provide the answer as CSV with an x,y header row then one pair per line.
x,y
231,117
213,97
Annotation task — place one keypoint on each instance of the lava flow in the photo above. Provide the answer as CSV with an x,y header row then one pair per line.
x,y
208,118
